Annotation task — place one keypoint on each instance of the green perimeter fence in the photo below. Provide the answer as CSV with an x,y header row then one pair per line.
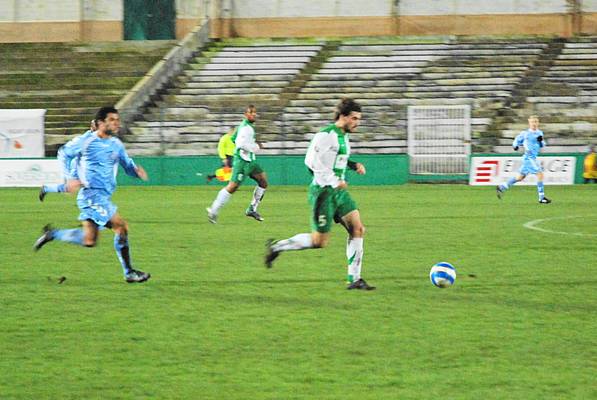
x,y
387,169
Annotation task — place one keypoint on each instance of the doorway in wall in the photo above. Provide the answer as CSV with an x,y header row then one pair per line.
x,y
149,19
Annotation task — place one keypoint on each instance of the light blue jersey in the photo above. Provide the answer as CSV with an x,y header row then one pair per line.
x,y
69,172
98,160
69,168
533,141
94,161
96,168
528,139
532,145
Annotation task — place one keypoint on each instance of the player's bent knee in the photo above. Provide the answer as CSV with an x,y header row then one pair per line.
x,y
359,231
320,242
231,187
356,230
122,231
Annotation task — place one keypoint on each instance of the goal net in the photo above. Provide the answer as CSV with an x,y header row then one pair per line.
x,y
439,139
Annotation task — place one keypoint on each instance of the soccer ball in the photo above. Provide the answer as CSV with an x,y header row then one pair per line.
x,y
442,274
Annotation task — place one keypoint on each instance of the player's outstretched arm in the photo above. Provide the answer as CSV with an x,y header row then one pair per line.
x,y
141,173
357,166
518,141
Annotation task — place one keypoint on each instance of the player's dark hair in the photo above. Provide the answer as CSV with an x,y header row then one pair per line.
x,y
250,107
345,107
103,112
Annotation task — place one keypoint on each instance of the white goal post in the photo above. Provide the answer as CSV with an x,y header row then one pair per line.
x,y
439,139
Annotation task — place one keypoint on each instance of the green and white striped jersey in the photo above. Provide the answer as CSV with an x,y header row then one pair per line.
x,y
327,156
244,140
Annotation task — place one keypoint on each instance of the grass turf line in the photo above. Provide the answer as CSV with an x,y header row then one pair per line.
x,y
213,322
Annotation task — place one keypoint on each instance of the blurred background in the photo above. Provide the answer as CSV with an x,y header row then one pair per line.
x,y
441,82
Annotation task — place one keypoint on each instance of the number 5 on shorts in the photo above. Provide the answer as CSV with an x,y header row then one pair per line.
x,y
321,220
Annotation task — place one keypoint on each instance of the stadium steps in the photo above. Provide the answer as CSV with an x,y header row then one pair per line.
x,y
212,92
390,77
564,95
523,90
72,80
497,78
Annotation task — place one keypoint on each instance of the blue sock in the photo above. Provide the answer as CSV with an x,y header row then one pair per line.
x,y
56,188
74,236
540,191
511,182
121,245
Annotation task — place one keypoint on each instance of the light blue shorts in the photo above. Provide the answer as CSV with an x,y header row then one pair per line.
x,y
530,166
95,205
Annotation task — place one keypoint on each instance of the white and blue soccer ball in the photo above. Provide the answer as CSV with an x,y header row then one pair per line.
x,y
443,274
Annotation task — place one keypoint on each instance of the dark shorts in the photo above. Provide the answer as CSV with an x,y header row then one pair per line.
x,y
241,169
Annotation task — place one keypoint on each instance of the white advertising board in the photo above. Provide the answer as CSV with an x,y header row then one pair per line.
x,y
22,133
492,171
29,173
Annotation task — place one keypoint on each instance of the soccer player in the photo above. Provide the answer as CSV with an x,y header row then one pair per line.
x,y
71,182
532,139
328,158
99,154
243,165
226,152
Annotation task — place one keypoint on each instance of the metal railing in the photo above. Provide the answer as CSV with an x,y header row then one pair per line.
x,y
131,105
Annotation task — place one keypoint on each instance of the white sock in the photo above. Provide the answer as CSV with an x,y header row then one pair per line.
x,y
354,254
297,242
257,196
221,199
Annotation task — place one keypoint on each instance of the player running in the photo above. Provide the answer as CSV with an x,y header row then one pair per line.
x,y
71,182
99,153
532,139
243,165
327,158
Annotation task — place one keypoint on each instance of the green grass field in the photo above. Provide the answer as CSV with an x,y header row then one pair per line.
x,y
213,323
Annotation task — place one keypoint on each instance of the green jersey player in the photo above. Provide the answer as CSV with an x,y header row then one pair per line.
x,y
243,165
328,158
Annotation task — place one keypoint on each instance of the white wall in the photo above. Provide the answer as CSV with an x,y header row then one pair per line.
x,y
589,5
448,7
7,10
194,9
60,10
347,8
307,8
103,10
93,10
39,10
112,10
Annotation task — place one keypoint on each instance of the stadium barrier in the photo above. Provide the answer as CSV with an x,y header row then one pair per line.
x,y
382,169
391,169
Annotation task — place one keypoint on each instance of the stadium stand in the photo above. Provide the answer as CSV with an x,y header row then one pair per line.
x,y
296,85
72,80
296,82
209,97
565,97
387,78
